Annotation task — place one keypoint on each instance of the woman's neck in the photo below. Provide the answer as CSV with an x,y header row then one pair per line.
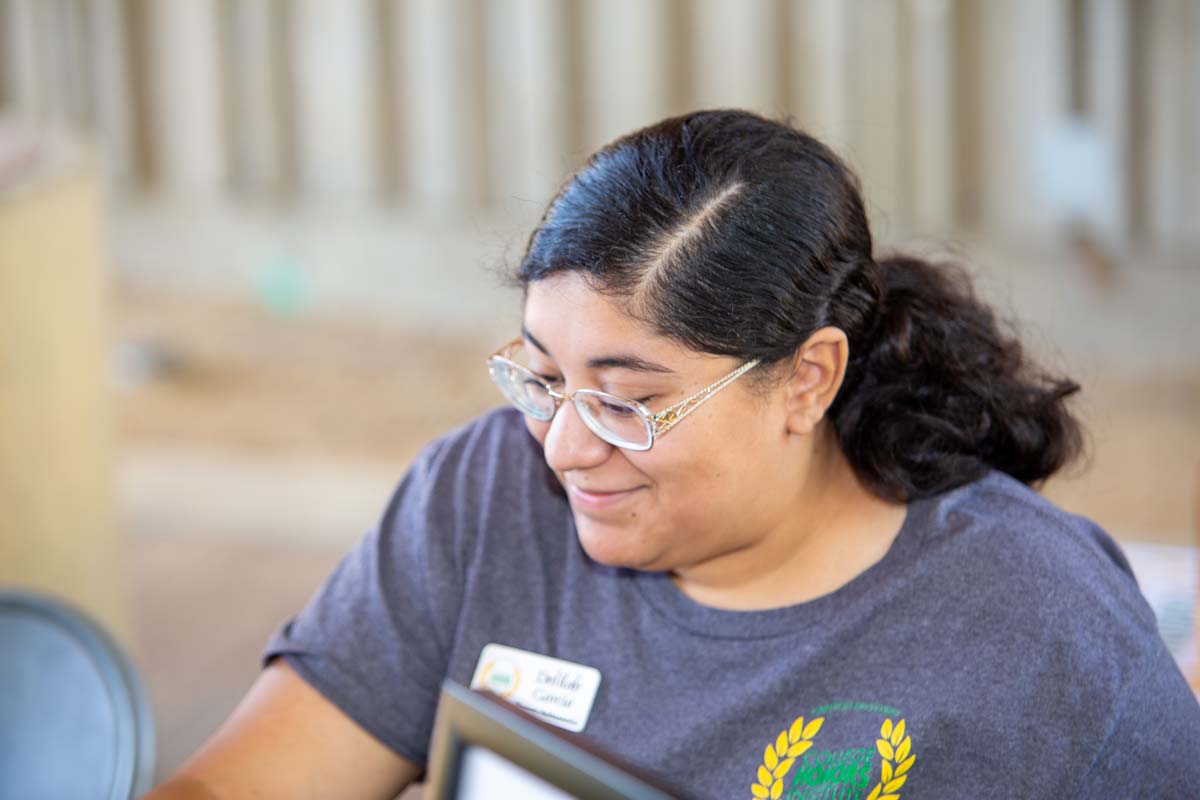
x,y
831,531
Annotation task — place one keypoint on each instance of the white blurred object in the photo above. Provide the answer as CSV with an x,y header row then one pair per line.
x,y
486,774
1076,165
1168,577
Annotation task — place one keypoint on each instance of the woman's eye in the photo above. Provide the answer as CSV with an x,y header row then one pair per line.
x,y
617,410
550,379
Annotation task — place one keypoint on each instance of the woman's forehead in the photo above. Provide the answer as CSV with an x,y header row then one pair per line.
x,y
570,320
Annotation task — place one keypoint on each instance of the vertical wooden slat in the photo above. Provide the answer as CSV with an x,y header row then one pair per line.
x,y
820,86
23,58
284,90
1137,155
110,86
232,66
628,64
967,83
575,136
7,72
1190,108
1023,102
786,64
444,123
335,115
136,33
185,94
1078,56
681,54
253,99
76,58
734,59
1165,147
50,84
930,117
526,95
874,68
18,54
1104,100
906,126
391,144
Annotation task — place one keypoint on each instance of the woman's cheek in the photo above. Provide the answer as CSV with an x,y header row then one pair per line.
x,y
537,430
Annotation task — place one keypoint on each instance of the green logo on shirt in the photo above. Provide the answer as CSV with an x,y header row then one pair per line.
x,y
834,775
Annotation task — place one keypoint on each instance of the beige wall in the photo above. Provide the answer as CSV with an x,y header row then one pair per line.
x,y
949,109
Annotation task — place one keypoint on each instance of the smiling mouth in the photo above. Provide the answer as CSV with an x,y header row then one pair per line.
x,y
598,501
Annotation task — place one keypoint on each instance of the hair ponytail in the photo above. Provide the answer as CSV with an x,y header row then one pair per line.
x,y
940,392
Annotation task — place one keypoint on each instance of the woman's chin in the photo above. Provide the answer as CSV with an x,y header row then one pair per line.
x,y
614,545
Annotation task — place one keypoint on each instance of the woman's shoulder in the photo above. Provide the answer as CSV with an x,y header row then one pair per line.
x,y
1013,523
1052,567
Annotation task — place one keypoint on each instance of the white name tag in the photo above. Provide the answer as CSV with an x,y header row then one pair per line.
x,y
558,691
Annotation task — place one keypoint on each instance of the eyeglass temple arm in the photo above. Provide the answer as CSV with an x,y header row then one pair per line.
x,y
668,417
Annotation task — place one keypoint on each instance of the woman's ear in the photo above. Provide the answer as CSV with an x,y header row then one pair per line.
x,y
818,369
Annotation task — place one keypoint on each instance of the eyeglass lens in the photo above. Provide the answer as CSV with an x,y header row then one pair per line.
x,y
617,421
523,389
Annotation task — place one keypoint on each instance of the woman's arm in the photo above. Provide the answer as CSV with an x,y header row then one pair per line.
x,y
286,740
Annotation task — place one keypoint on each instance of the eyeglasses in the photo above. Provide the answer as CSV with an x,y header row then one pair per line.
x,y
623,423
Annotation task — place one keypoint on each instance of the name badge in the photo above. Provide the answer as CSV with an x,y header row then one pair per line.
x,y
557,691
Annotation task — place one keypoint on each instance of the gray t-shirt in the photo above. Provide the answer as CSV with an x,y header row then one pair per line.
x,y
1001,647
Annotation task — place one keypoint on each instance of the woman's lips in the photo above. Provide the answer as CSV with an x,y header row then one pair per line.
x,y
598,501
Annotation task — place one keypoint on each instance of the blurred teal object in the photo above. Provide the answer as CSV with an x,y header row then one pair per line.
x,y
74,719
282,287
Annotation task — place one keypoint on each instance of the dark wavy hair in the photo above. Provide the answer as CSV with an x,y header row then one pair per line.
x,y
741,236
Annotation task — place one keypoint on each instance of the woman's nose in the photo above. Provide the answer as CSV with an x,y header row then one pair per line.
x,y
570,444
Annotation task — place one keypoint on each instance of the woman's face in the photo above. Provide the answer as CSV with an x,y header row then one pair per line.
x,y
714,484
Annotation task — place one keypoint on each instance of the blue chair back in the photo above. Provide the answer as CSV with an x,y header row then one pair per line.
x,y
74,719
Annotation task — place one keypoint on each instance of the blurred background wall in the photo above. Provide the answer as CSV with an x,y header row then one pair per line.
x,y
303,211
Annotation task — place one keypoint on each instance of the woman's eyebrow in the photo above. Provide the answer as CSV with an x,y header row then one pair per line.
x,y
619,361
627,362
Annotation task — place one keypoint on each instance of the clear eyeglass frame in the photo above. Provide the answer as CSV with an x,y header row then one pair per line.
x,y
618,421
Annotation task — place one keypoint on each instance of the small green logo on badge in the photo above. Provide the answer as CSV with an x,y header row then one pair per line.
x,y
501,676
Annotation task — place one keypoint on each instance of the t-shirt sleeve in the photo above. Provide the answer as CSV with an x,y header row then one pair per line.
x,y
1152,747
376,636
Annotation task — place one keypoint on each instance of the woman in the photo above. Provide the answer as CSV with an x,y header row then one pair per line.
x,y
786,517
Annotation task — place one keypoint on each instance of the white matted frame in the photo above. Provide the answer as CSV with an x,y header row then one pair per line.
x,y
541,754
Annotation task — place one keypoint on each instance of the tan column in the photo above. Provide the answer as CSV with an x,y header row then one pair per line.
x,y
57,530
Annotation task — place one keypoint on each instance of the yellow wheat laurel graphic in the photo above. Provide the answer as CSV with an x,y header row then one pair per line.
x,y
893,747
781,754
